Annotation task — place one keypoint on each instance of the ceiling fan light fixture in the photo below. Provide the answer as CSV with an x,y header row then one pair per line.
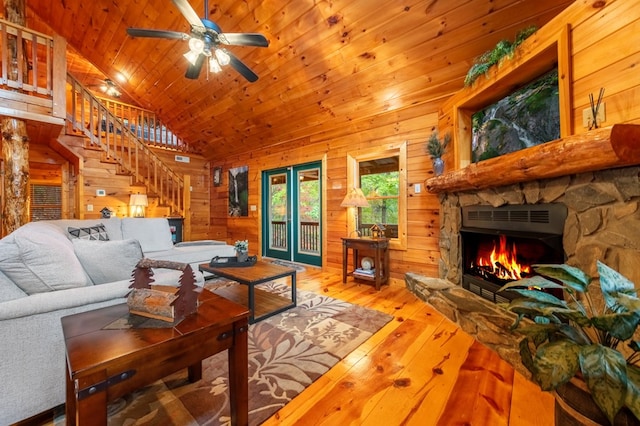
x,y
110,88
191,56
222,57
214,66
196,45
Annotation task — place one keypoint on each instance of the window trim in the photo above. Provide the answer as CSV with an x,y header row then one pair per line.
x,y
395,149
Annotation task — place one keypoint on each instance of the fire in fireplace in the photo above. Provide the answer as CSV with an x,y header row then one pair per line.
x,y
499,244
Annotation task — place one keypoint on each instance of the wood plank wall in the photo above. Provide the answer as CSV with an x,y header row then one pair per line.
x,y
605,53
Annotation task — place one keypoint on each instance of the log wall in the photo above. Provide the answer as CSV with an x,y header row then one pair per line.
x,y
603,53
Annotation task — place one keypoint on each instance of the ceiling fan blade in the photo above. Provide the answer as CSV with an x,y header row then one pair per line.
x,y
145,32
244,70
243,39
190,15
193,71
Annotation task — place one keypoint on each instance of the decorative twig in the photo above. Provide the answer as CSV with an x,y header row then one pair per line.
x,y
595,108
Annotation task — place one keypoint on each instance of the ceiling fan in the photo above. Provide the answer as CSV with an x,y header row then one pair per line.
x,y
205,42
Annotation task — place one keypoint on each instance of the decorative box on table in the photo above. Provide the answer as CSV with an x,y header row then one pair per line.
x,y
163,302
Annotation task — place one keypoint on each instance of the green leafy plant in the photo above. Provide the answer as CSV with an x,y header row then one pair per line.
x,y
242,246
435,146
503,49
573,336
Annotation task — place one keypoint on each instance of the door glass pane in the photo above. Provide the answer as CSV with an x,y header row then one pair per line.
x,y
278,212
308,211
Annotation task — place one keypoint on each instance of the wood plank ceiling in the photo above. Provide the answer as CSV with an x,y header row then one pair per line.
x,y
329,63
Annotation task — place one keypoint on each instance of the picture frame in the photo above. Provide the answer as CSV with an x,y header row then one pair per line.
x,y
217,176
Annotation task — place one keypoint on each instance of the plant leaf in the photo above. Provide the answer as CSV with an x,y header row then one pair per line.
x,y
605,372
620,325
555,363
534,281
540,296
632,401
570,276
611,283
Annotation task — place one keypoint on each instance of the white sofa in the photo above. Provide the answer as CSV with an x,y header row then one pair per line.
x,y
57,268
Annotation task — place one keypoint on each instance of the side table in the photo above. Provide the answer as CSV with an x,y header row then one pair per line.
x,y
105,362
380,246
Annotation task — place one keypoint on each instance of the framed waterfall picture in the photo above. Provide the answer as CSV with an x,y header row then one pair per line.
x,y
217,176
239,191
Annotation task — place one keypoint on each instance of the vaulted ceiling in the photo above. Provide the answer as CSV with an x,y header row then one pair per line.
x,y
329,62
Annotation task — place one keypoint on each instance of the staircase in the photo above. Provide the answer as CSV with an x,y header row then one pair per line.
x,y
120,138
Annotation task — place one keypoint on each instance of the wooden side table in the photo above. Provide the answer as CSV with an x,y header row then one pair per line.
x,y
105,361
380,246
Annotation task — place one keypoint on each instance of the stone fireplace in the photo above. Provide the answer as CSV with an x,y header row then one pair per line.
x,y
603,218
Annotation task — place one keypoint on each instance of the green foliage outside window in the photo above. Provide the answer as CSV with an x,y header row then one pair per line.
x,y
382,191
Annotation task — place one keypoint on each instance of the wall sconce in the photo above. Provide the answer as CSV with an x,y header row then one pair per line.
x,y
355,198
138,202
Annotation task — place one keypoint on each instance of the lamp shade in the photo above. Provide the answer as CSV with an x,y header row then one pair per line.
x,y
355,198
138,200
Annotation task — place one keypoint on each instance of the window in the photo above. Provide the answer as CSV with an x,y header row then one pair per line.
x,y
381,174
46,202
380,183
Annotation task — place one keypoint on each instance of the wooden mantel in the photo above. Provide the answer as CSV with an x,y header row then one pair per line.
x,y
600,149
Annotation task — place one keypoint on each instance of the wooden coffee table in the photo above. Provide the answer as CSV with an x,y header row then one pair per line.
x,y
262,304
107,359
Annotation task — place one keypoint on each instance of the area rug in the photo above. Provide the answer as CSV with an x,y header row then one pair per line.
x,y
287,352
292,265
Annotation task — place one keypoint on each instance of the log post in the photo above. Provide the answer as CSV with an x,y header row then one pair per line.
x,y
15,151
15,142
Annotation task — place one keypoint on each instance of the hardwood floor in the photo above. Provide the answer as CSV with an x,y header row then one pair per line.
x,y
420,369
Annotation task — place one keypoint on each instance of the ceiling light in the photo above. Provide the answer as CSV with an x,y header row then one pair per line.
x,y
110,88
223,57
192,57
214,66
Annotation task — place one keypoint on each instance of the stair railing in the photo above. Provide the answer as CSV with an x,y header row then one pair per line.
x,y
146,125
120,144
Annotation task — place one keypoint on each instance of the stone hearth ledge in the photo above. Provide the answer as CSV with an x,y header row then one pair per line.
x,y
487,322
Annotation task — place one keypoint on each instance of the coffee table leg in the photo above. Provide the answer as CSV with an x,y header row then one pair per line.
x,y
239,375
195,372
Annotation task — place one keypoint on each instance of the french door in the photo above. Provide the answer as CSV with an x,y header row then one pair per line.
x,y
292,206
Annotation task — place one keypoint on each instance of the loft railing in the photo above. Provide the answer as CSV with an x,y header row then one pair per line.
x,y
87,114
27,59
145,125
32,72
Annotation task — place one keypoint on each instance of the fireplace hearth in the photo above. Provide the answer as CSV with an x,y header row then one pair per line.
x,y
499,244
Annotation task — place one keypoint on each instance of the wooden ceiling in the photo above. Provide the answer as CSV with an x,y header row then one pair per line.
x,y
329,63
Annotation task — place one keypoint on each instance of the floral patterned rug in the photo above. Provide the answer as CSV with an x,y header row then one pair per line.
x,y
287,352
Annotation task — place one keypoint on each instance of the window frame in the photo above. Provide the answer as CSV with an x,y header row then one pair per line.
x,y
353,180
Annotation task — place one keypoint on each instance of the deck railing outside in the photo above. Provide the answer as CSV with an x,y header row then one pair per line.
x,y
308,237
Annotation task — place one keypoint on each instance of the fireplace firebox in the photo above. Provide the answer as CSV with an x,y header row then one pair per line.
x,y
499,244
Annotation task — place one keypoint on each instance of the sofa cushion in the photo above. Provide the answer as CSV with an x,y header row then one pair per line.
x,y
95,232
108,261
153,233
8,290
41,259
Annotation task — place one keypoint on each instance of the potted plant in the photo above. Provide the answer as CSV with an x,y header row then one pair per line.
x,y
242,250
436,148
574,337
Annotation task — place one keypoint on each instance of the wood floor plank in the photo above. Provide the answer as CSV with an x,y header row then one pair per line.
x,y
426,381
527,399
484,388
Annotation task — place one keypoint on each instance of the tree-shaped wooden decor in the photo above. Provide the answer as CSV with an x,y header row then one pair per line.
x,y
164,302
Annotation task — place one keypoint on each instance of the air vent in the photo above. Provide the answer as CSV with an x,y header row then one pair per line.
x,y
541,218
